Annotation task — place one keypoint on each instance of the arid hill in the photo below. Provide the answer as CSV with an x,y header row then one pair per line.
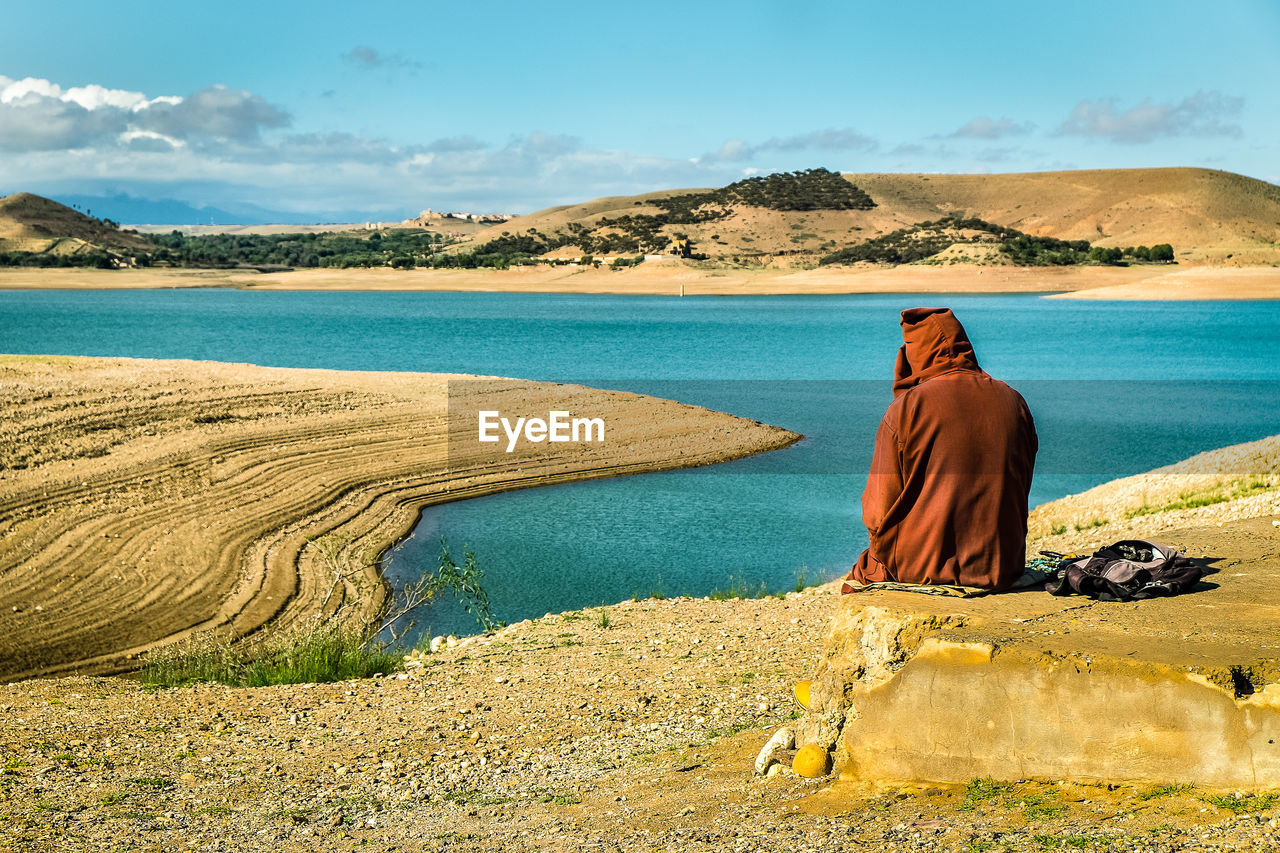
x,y
1208,216
32,223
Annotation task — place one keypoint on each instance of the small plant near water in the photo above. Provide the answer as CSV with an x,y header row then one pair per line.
x,y
320,652
738,588
603,619
802,579
323,648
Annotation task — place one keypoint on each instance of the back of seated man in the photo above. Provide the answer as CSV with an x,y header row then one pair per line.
x,y
946,499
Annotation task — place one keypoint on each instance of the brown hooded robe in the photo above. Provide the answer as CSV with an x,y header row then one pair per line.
x,y
946,499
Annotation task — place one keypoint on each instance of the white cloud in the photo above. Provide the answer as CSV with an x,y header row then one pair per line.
x,y
1201,114
984,127
367,58
827,139
222,147
39,115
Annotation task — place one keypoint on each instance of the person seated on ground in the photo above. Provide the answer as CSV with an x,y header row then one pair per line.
x,y
946,498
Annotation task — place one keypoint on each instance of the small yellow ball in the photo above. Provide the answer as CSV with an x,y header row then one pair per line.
x,y
811,761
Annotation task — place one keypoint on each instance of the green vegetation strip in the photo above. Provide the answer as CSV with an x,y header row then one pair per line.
x,y
1216,494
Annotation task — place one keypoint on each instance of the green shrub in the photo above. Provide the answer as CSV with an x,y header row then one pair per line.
x,y
323,649
322,652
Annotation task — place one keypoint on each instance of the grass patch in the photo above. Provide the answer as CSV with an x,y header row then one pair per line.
x,y
1089,525
476,797
1057,528
1072,842
151,783
738,588
741,589
1164,791
307,657
980,791
728,731
1216,494
1035,805
1243,803
560,799
603,619
1039,806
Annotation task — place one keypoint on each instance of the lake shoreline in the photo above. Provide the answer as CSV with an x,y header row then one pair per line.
x,y
1156,282
148,501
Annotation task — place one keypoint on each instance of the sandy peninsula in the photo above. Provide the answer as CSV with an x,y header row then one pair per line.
x,y
673,278
144,501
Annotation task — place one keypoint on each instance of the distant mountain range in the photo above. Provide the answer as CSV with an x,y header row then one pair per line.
x,y
1206,215
783,220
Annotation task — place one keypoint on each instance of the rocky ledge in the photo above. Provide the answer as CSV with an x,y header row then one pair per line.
x,y
1181,690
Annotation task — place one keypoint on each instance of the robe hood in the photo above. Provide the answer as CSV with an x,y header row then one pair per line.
x,y
934,343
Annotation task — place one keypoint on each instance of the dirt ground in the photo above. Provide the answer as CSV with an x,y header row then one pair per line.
x,y
631,727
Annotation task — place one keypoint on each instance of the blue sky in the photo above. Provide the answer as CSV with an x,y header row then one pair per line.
x,y
347,111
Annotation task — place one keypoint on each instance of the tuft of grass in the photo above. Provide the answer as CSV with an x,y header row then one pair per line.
x,y
1090,524
1243,803
474,796
1057,528
603,619
1076,842
802,579
1164,791
153,783
738,589
324,653
325,650
727,731
980,791
1038,805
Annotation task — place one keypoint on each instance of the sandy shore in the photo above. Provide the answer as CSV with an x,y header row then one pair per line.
x,y
143,501
668,278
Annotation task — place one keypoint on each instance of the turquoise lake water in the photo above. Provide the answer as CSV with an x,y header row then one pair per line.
x,y
1116,388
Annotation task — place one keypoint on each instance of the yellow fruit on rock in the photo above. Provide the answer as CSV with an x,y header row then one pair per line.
x,y
811,761
802,693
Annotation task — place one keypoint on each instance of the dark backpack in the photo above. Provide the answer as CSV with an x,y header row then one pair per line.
x,y
1127,570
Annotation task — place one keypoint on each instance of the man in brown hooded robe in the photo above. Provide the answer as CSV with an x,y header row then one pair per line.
x,y
946,499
